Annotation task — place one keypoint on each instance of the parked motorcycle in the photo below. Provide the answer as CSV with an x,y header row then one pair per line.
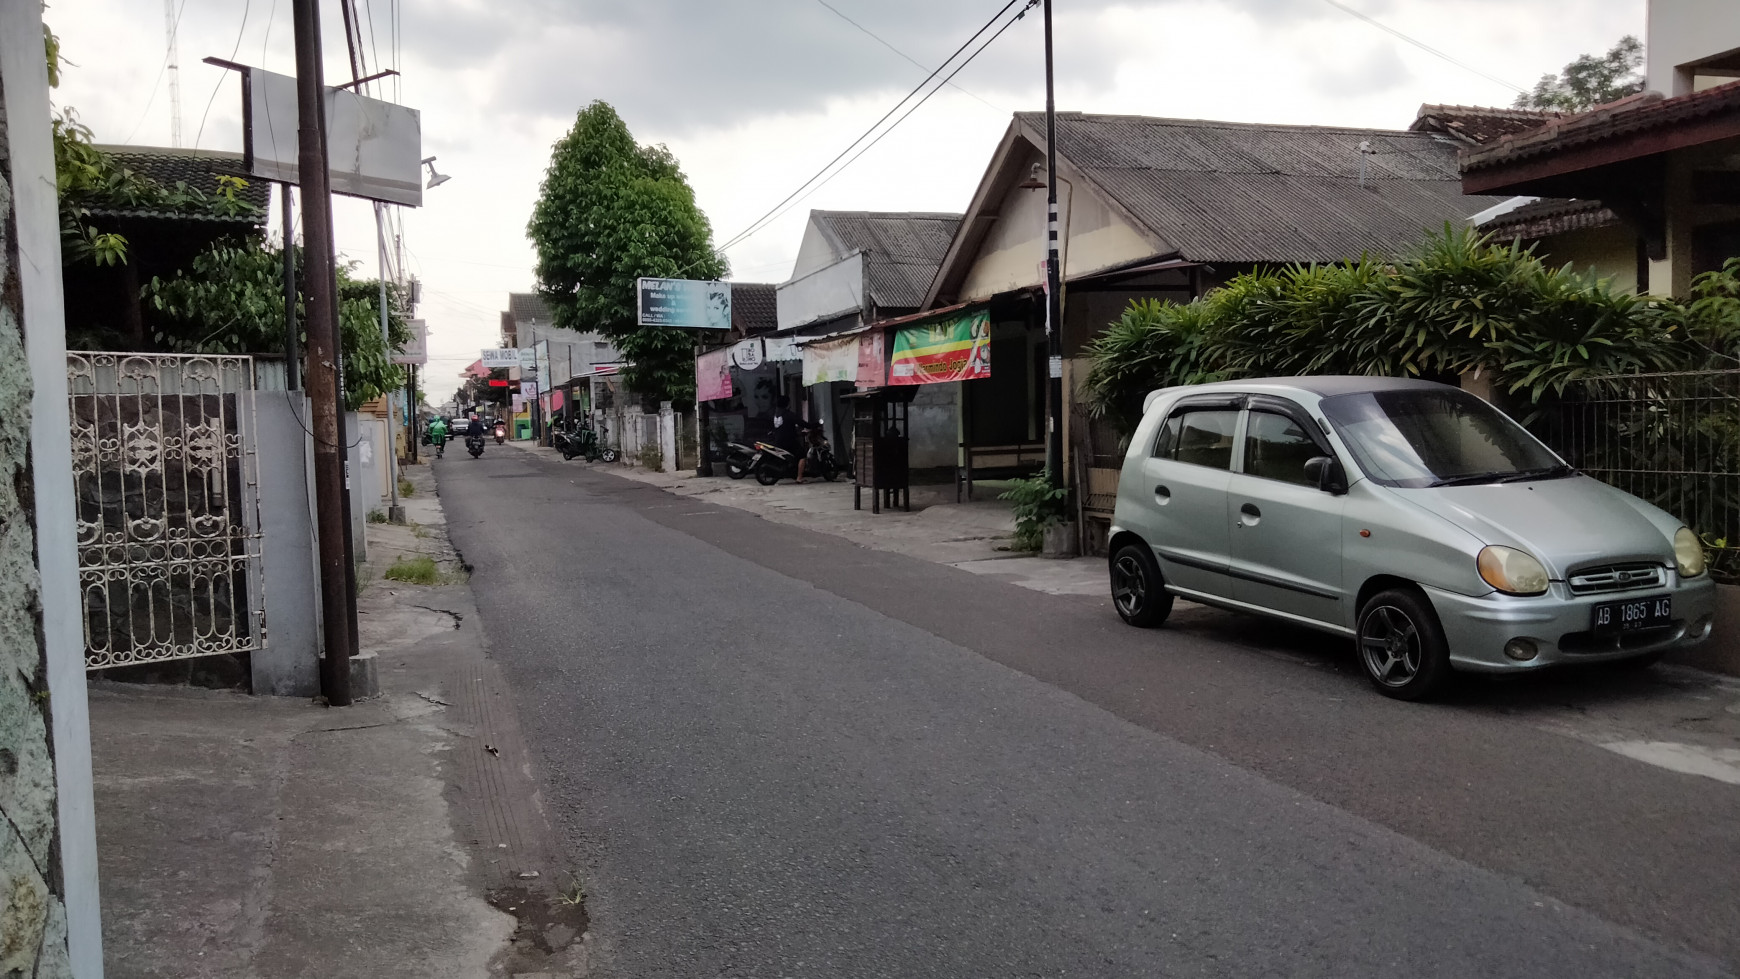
x,y
500,432
474,445
581,441
770,463
738,459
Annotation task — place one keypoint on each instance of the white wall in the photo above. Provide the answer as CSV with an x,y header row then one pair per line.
x,y
823,293
289,665
1684,31
1010,257
813,253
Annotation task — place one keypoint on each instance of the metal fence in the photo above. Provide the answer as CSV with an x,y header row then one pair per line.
x,y
169,536
1671,439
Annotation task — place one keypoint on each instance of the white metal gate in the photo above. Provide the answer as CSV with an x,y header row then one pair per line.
x,y
168,506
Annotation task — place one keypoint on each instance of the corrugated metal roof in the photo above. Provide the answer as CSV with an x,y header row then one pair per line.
x,y
1552,216
526,307
1239,192
902,249
754,307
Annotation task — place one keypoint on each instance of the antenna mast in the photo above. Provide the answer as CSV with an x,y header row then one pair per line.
x,y
173,67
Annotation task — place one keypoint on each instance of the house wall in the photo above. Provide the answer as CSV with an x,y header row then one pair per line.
x,y
814,252
822,293
1013,253
1610,253
933,427
1684,31
49,910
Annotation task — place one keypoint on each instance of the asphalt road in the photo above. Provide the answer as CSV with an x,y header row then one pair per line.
x,y
775,753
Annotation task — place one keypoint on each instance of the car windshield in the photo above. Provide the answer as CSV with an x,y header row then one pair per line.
x,y
1445,437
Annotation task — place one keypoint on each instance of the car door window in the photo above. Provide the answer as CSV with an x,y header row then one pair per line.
x,y
1277,447
1201,437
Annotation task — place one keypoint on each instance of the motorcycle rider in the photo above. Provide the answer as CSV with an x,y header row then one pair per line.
x,y
788,433
438,434
475,429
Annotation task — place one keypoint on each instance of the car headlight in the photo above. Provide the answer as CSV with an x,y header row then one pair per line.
x,y
1512,571
1688,553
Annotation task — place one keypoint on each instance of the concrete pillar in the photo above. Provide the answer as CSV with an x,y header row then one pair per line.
x,y
289,664
668,437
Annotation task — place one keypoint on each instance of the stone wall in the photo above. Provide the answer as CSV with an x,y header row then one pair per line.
x,y
32,913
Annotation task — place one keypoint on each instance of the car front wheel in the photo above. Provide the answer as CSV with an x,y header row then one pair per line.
x,y
1138,591
1402,645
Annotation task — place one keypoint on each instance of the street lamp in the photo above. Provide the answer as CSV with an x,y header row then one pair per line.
x,y
435,179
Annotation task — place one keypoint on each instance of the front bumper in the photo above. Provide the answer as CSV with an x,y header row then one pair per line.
x,y
1477,628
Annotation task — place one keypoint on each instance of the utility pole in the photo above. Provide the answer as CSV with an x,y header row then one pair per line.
x,y
172,68
1053,282
322,374
395,512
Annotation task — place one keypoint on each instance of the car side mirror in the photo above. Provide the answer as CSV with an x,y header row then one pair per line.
x,y
1327,473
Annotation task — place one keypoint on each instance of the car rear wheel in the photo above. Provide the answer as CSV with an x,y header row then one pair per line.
x,y
1138,591
1402,645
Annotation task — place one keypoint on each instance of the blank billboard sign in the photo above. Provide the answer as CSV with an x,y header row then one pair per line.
x,y
374,148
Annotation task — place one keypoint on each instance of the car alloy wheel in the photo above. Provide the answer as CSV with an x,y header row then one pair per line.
x,y
1138,593
1390,643
1129,589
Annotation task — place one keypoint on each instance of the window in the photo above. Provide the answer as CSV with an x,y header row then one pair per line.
x,y
1414,438
1276,447
1201,437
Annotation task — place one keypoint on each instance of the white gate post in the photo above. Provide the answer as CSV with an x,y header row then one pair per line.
x,y
668,436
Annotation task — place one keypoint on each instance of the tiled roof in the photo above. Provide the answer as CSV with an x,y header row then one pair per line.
x,y
1237,192
525,307
754,307
198,169
1641,113
1551,217
902,249
1479,124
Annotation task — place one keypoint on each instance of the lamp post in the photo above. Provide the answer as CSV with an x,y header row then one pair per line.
x,y
1053,281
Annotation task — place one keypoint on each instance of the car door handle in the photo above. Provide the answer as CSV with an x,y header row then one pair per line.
x,y
1162,495
1249,515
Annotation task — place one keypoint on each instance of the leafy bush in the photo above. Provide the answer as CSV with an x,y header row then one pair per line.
x,y
1038,505
1460,303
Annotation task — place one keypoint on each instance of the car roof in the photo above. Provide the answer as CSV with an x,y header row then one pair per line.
x,y
1323,386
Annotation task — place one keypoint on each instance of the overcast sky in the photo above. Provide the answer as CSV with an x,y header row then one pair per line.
x,y
753,97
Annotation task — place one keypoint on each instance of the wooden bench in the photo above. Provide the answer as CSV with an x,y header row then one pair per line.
x,y
997,462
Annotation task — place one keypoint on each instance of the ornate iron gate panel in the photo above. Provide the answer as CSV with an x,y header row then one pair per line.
x,y
168,506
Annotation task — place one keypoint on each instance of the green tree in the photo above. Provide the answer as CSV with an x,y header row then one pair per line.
x,y
1590,80
610,211
231,301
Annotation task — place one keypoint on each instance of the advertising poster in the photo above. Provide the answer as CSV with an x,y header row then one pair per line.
x,y
953,350
695,303
831,360
873,359
747,356
713,375
781,349
495,357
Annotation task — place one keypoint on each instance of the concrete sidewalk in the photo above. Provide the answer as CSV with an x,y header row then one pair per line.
x,y
256,836
973,536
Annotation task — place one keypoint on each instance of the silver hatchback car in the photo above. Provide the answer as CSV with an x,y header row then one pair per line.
x,y
1411,516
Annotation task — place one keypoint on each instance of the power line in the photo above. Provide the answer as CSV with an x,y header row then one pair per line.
x,y
757,225
878,39
220,82
914,108
1344,8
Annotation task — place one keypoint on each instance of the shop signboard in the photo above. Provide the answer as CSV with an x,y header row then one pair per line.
x,y
416,350
873,359
827,361
694,303
781,349
713,375
952,350
747,356
500,357
528,360
542,362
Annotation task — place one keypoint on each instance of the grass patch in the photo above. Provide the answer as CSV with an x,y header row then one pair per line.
x,y
406,489
418,569
377,516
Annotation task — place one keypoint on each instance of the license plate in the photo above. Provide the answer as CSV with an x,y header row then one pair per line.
x,y
1639,613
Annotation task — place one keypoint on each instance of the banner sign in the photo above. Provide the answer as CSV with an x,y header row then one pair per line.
x,y
416,349
873,359
747,355
953,350
782,349
541,358
713,375
528,360
374,148
831,360
695,303
529,390
495,357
